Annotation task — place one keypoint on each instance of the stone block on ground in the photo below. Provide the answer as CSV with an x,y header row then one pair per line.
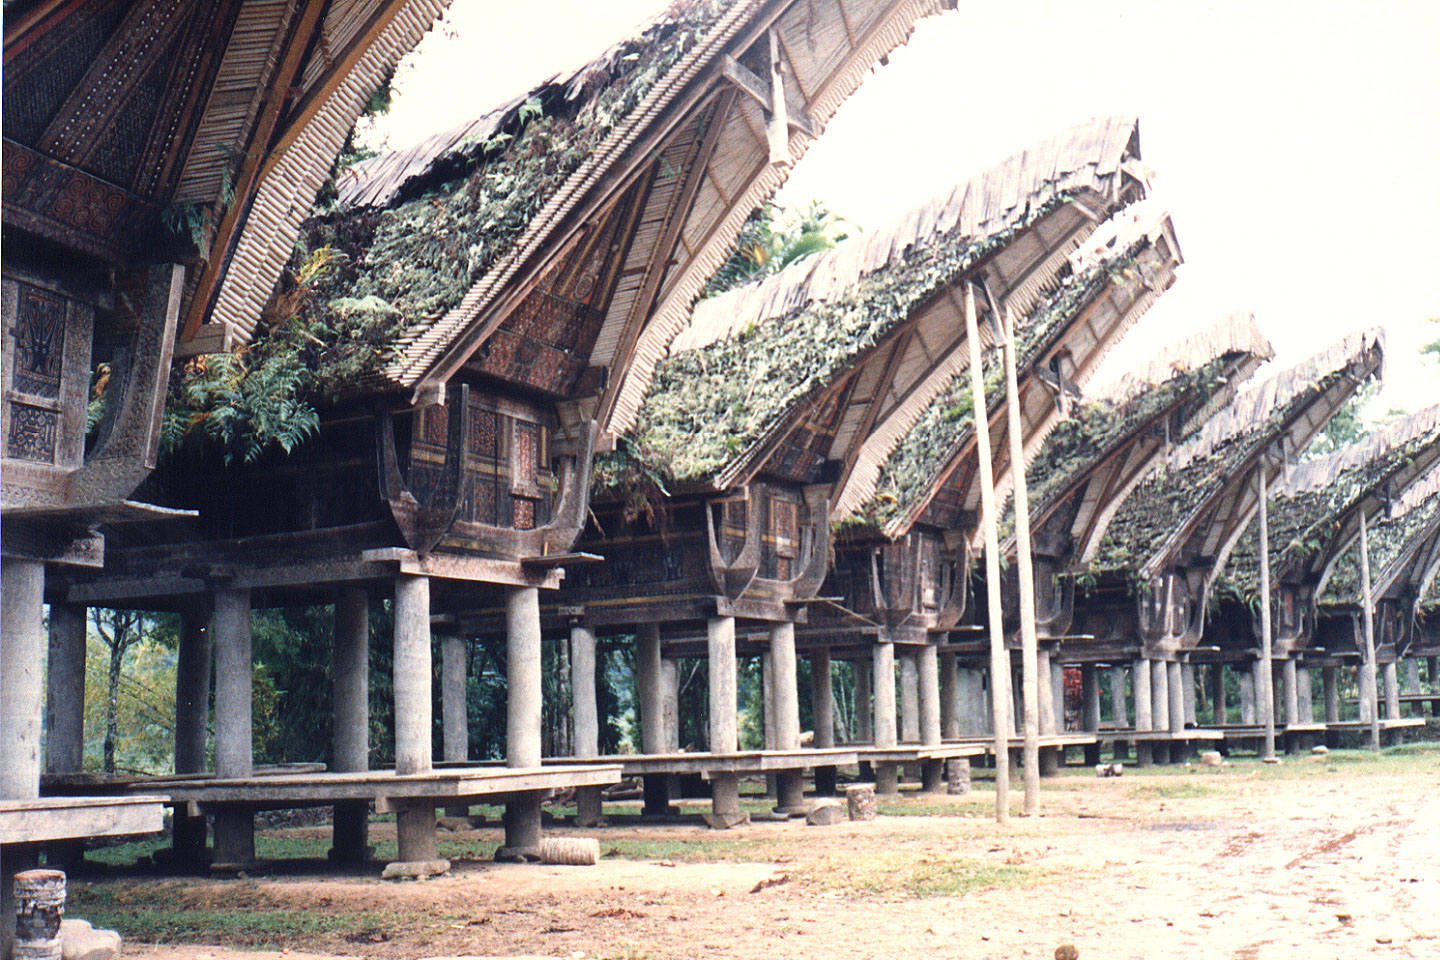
x,y
570,851
1067,951
80,941
825,812
1109,769
1320,750
957,775
452,824
414,869
1211,758
860,801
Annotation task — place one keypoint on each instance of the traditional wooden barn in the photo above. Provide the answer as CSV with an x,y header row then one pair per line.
x,y
783,397
1168,542
141,138
1082,473
902,558
480,314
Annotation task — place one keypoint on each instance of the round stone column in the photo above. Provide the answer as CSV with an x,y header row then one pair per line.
x,y
350,837
523,717
234,738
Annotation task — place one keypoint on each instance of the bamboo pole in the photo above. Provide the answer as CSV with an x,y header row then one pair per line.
x,y
1368,671
999,659
1029,646
1267,691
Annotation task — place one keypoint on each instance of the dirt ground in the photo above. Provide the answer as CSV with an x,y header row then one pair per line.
x,y
1334,857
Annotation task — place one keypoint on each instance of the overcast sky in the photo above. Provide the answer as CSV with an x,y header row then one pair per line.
x,y
1297,143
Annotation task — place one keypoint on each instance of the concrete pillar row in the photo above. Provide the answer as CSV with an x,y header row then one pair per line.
x,y
1264,682
65,709
1160,694
454,722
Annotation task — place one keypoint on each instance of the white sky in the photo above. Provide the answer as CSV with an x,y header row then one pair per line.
x,y
1297,143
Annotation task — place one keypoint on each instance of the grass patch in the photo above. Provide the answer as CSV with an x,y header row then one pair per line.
x,y
749,849
1171,791
923,875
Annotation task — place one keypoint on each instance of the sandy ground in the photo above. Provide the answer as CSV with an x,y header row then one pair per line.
x,y
1313,861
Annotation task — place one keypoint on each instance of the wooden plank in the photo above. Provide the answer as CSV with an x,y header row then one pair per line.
x,y
73,818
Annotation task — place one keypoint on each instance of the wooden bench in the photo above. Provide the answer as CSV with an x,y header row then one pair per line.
x,y
78,818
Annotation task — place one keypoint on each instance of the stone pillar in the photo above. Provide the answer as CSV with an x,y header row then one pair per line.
x,y
65,710
670,686
1392,690
1290,692
589,804
234,741
1412,676
22,692
1330,687
1160,705
350,841
784,687
412,677
887,779
1144,710
1248,714
1090,708
652,692
1187,680
909,696
1306,694
454,712
724,732
1057,690
192,724
524,695
864,672
927,665
1260,675
1120,713
972,685
1367,704
822,709
1176,676
949,698
1219,710
1046,694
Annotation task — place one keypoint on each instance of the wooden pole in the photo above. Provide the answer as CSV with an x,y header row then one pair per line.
x,y
1367,671
1029,646
1267,691
999,659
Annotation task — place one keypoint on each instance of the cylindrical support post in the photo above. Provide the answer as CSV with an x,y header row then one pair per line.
x,y
414,712
583,702
1144,709
949,697
909,696
785,699
1248,713
927,664
1412,675
524,706
350,833
234,742
1392,691
720,648
39,907
1266,696
454,715
1090,698
1219,709
887,775
1290,691
652,693
822,709
1160,705
863,672
670,687
1119,709
1046,695
22,666
1176,680
1187,680
1305,694
1057,691
192,688
65,710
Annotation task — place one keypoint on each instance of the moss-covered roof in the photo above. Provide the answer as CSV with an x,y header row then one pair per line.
x,y
731,379
1193,474
1387,539
1307,511
423,225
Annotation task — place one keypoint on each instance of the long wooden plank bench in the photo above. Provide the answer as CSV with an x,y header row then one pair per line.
x,y
77,818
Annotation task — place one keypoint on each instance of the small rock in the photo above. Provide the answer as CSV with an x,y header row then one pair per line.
x,y
825,813
80,941
1067,951
1109,769
1384,938
414,869
1320,750
1211,758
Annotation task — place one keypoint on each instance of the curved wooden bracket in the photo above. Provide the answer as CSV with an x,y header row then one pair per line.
x,y
815,554
568,517
955,589
423,524
732,578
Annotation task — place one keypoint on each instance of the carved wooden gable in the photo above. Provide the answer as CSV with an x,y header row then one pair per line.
x,y
46,384
545,343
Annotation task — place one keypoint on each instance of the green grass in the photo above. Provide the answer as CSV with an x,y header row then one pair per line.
x,y
1171,791
922,875
702,849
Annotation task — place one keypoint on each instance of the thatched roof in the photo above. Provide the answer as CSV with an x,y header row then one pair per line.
x,y
1394,539
1202,497
1315,502
1167,399
454,231
756,354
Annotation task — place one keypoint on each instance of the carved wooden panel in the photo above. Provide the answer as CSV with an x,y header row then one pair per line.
x,y
46,366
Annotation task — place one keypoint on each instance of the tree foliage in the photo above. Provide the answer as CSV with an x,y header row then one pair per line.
x,y
773,237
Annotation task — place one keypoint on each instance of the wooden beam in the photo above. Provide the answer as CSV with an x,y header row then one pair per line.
x,y
762,92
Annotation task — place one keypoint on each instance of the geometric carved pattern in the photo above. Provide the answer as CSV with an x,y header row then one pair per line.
x,y
32,433
39,342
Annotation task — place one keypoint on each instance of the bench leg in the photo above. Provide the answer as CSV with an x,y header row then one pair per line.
x,y
887,779
826,781
790,793
657,795
1050,761
932,776
1120,751
350,833
234,837
522,830
1092,754
415,843
589,807
725,809
1144,753
187,840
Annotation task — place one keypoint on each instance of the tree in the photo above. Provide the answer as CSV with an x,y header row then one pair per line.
x,y
772,238
1433,347
120,630
1347,425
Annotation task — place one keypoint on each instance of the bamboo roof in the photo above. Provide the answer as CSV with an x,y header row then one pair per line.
x,y
454,231
1395,539
728,387
1311,511
1202,498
